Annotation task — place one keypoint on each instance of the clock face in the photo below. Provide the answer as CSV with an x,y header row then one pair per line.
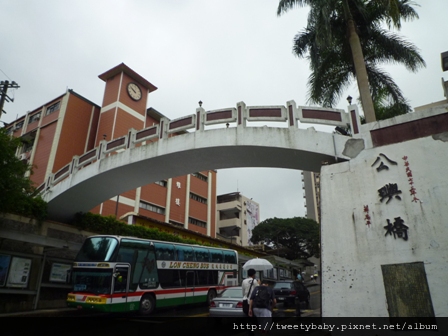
x,y
134,91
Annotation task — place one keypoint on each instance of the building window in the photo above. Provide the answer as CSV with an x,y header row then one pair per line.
x,y
161,183
53,108
34,118
200,176
197,222
27,146
228,215
177,224
152,207
18,126
198,198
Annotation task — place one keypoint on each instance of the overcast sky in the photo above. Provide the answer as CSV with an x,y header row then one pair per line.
x,y
217,51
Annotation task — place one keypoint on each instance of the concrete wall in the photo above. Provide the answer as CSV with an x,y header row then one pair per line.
x,y
25,238
355,243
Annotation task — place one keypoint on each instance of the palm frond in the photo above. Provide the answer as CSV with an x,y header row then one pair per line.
x,y
325,44
286,5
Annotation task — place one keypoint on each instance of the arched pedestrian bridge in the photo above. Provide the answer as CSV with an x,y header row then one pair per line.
x,y
153,154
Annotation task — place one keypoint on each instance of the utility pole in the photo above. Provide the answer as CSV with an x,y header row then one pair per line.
x,y
4,86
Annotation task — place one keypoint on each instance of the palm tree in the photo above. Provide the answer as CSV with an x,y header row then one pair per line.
x,y
332,66
344,38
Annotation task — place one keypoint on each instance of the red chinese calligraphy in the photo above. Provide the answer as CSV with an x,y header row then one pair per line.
x,y
412,190
367,215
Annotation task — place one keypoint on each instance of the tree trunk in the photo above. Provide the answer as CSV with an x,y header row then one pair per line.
x,y
360,66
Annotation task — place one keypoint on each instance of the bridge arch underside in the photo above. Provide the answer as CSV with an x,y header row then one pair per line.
x,y
143,165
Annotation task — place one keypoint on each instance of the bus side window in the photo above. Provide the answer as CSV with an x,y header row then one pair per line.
x,y
164,251
170,278
216,256
201,254
184,253
204,277
229,257
121,280
188,278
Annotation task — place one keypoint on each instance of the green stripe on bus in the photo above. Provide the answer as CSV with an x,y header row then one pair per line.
x,y
181,301
134,306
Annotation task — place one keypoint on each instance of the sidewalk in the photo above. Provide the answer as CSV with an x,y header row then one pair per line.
x,y
291,325
285,326
310,283
41,313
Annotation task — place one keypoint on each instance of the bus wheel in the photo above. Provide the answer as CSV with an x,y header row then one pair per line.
x,y
210,296
147,304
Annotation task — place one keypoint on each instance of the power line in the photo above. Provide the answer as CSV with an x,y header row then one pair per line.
x,y
5,74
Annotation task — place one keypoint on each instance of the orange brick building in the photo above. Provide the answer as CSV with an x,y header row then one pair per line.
x,y
72,125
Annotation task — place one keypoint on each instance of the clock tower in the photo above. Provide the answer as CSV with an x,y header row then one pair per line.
x,y
124,102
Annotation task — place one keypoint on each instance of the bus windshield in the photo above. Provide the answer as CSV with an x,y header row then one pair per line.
x,y
92,281
97,249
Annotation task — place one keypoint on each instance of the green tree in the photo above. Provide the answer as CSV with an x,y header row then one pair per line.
x,y
296,237
386,108
16,190
344,39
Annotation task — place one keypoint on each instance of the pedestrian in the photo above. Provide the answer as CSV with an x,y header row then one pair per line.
x,y
299,277
312,277
248,286
261,303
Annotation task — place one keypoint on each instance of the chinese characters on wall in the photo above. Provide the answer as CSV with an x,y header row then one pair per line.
x,y
389,192
410,180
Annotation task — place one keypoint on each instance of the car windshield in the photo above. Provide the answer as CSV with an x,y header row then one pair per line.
x,y
282,285
232,293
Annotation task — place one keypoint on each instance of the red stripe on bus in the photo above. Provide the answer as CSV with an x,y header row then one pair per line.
x,y
155,291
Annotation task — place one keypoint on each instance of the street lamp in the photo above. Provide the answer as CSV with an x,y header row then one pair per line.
x,y
349,99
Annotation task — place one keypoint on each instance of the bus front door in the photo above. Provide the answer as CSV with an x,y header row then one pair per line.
x,y
121,280
190,287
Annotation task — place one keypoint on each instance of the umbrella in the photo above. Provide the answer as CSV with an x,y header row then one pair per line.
x,y
258,264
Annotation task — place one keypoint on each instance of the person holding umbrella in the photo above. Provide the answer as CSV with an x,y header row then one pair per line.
x,y
248,287
253,265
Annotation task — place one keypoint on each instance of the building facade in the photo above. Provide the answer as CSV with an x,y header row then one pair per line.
x,y
71,125
237,217
311,194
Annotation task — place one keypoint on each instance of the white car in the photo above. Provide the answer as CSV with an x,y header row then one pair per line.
x,y
228,304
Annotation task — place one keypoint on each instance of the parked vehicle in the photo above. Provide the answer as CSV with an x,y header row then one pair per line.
x,y
228,304
287,291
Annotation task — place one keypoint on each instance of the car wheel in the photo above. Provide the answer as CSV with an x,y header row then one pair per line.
x,y
210,296
147,304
